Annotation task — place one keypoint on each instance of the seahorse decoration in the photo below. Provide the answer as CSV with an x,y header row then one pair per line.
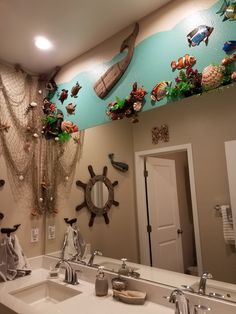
x,y
109,79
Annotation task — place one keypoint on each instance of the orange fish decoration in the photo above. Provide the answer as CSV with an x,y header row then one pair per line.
x,y
228,60
183,62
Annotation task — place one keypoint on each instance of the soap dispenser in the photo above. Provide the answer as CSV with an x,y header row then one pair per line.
x,y
101,283
124,270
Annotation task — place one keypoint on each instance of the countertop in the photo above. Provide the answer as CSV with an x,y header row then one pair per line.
x,y
86,302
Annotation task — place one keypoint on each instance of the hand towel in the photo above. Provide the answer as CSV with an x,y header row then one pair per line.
x,y
228,229
74,244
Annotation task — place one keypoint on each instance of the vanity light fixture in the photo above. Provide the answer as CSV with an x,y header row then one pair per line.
x,y
42,43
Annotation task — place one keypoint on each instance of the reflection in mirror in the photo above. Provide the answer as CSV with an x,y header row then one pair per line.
x,y
205,122
99,194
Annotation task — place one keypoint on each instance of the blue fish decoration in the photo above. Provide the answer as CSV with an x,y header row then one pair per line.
x,y
229,45
199,34
121,166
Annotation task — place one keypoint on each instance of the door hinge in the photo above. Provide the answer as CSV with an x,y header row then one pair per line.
x,y
145,173
149,228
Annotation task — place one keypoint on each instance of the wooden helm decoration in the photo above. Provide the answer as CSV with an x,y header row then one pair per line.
x,y
88,202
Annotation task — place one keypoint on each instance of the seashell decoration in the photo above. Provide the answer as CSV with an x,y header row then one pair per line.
x,y
212,76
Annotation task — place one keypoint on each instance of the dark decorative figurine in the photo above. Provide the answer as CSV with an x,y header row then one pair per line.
x,y
121,166
70,108
75,89
63,96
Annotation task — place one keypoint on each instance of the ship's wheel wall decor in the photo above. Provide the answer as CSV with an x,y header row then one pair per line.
x,y
88,201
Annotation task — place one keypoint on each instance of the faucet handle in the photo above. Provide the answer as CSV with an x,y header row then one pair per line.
x,y
188,288
207,275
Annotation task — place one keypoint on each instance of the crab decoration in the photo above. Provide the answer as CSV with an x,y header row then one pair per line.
x,y
88,199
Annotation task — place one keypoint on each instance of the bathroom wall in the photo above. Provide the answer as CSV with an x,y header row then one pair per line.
x,y
16,212
206,122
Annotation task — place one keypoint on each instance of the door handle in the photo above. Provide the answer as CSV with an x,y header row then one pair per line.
x,y
179,231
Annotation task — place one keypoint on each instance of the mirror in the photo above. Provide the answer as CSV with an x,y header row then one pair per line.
x,y
99,194
206,122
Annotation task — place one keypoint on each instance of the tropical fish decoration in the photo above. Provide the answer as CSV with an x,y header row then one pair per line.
x,y
70,108
228,10
121,166
63,96
229,46
183,62
160,90
228,60
75,89
199,34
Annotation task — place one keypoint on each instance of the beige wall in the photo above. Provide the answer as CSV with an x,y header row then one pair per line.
x,y
16,212
119,238
206,122
185,206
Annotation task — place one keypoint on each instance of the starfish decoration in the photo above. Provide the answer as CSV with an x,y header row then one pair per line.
x,y
88,202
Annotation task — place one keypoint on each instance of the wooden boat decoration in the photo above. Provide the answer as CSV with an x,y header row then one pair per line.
x,y
109,79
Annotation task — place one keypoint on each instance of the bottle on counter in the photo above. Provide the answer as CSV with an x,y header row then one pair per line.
x,y
124,270
101,283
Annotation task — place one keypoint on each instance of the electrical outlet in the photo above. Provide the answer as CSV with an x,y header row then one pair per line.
x,y
34,235
51,232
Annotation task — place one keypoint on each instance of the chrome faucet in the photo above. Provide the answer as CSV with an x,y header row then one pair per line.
x,y
70,273
181,302
96,252
202,283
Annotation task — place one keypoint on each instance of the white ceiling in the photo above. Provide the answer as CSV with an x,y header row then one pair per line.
x,y
73,26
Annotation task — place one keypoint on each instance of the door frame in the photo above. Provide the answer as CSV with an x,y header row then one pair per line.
x,y
141,200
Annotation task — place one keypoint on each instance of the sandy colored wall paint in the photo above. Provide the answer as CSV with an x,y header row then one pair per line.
x,y
17,213
185,206
119,238
206,122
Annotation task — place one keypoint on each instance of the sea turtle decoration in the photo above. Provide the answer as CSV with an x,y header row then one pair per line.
x,y
75,89
88,200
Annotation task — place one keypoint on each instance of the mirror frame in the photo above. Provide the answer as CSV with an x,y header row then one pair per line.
x,y
94,210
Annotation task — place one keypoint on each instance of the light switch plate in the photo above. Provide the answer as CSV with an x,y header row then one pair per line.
x,y
51,232
34,235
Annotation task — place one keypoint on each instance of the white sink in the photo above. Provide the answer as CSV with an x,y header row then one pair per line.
x,y
46,292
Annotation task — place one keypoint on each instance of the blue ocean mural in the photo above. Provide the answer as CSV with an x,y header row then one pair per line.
x,y
149,65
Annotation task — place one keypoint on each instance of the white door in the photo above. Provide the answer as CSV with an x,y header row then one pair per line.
x,y
164,214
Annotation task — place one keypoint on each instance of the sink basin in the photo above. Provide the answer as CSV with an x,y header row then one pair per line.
x,y
114,266
44,293
218,292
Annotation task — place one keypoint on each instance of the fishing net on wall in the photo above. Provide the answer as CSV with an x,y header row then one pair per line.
x,y
36,166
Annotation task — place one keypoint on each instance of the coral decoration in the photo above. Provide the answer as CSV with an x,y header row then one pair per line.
x,y
212,76
53,124
187,83
127,107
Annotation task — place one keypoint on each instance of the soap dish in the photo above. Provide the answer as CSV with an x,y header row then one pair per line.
x,y
130,297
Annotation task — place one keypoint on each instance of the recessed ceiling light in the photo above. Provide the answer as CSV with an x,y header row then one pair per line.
x,y
42,43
